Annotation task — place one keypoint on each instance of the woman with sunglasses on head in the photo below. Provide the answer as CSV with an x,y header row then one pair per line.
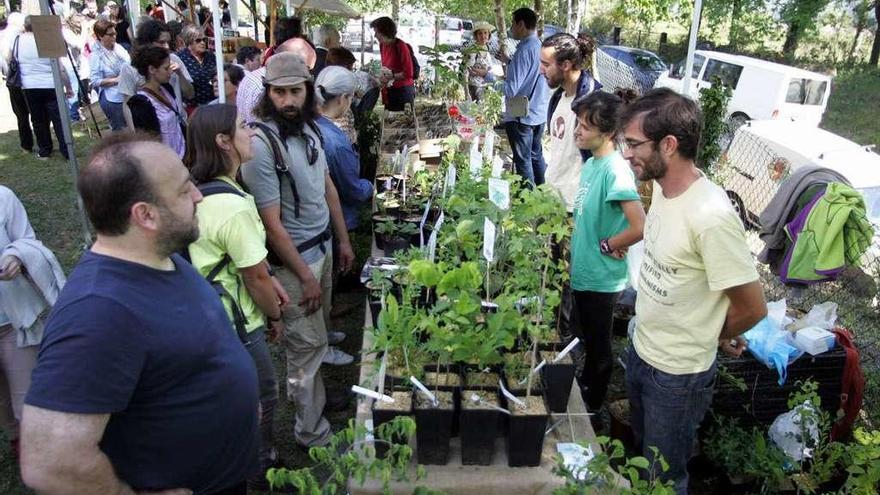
x,y
608,219
200,63
231,232
108,58
154,63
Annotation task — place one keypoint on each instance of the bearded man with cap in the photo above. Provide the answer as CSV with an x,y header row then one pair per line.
x,y
301,211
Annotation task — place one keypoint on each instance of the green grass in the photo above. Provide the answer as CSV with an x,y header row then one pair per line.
x,y
46,190
854,105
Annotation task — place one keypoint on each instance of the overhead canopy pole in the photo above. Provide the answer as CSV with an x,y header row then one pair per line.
x,y
218,51
692,46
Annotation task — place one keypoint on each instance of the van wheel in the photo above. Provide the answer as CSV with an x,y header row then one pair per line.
x,y
740,209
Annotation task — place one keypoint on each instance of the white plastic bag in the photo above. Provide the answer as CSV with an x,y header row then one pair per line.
x,y
821,315
634,263
788,430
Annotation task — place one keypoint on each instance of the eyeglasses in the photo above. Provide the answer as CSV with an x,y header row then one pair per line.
x,y
200,40
630,144
110,33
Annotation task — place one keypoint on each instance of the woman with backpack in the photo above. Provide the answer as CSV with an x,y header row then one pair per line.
x,y
231,249
398,56
154,63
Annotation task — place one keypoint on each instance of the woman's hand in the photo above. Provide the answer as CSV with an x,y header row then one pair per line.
x,y
10,267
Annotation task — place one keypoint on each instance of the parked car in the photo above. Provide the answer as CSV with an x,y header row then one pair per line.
x,y
761,90
451,31
764,153
351,35
467,36
626,67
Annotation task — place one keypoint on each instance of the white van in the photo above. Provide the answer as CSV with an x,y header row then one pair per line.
x,y
761,90
764,153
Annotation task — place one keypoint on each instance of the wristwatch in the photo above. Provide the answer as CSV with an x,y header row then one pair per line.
x,y
604,247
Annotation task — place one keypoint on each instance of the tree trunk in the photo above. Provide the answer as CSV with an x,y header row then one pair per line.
x,y
566,14
792,37
875,49
735,27
502,27
855,43
395,10
539,9
580,13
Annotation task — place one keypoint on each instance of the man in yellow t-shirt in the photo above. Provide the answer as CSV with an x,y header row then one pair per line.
x,y
698,287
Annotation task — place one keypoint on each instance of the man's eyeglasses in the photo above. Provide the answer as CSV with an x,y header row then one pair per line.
x,y
630,144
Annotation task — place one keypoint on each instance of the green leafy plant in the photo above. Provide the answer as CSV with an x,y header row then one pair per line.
x,y
863,463
601,472
349,455
713,101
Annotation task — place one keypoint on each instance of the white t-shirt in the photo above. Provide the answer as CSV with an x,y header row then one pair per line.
x,y
695,248
36,72
565,163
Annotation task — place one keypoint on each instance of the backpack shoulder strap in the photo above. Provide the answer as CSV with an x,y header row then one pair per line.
x,y
213,187
282,169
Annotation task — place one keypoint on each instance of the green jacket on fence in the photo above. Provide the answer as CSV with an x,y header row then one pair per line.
x,y
836,234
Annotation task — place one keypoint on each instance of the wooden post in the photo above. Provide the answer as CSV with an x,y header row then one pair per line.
x,y
663,41
192,11
615,36
272,17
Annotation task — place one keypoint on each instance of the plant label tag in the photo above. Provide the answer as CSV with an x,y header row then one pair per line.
x,y
535,370
571,345
489,145
510,396
432,241
499,193
449,185
423,390
488,240
476,160
371,394
422,224
384,364
497,166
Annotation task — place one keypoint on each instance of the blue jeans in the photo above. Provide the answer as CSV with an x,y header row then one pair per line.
x,y
528,157
113,111
258,348
666,411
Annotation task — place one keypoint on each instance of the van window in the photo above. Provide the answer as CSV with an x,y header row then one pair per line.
x,y
677,71
806,91
450,24
728,73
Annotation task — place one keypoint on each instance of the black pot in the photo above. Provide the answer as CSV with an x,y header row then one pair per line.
x,y
395,244
525,438
479,428
433,428
381,416
379,218
455,390
557,378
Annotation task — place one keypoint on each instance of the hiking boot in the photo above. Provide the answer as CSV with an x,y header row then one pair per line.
x,y
334,338
337,357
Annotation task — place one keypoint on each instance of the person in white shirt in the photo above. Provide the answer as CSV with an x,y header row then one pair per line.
x,y
563,60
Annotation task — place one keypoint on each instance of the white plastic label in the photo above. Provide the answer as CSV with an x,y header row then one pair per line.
x,y
571,345
423,390
476,159
510,396
432,241
373,395
488,240
499,193
422,224
535,370
489,145
497,166
449,185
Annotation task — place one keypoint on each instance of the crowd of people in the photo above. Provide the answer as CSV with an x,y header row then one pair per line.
x,y
220,228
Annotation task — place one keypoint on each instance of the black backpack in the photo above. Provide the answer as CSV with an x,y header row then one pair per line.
x,y
211,188
417,69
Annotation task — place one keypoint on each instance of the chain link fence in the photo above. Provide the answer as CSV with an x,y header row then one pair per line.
x,y
751,171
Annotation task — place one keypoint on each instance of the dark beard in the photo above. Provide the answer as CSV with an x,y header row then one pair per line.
x,y
177,234
290,122
656,169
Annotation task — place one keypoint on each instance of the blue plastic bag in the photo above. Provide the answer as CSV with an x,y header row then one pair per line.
x,y
770,346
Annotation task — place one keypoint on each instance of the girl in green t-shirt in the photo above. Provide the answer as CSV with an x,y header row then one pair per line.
x,y
608,219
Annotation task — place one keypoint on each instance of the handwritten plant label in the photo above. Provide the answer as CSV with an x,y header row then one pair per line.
x,y
476,159
499,193
488,240
497,166
449,184
489,146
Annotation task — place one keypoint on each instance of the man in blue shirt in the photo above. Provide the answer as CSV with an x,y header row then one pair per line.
x,y
524,79
141,383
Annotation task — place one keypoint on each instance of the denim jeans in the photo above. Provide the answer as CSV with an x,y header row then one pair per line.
x,y
666,411
113,111
528,157
258,348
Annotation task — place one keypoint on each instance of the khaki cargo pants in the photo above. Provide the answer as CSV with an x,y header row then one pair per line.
x,y
305,342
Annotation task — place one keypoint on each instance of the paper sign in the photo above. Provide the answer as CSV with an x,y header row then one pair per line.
x,y
488,240
422,224
476,159
499,193
47,33
489,146
497,166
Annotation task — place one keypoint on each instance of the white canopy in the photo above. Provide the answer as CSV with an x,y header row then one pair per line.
x,y
333,7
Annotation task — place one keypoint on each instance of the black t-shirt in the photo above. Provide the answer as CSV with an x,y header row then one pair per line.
x,y
156,351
